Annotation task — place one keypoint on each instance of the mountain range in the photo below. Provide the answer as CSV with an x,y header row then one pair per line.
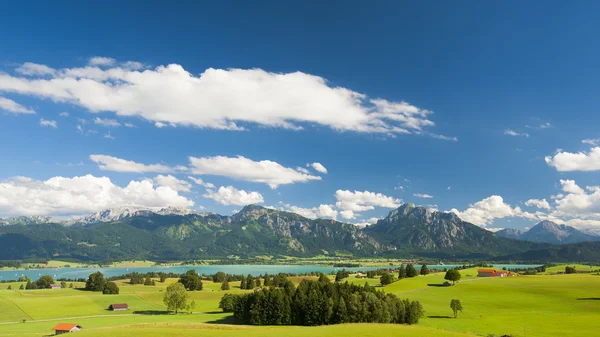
x,y
180,234
550,232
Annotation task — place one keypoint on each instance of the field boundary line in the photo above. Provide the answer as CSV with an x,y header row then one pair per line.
x,y
16,305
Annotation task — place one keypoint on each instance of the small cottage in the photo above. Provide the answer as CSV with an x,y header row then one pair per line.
x,y
66,327
118,307
491,273
55,286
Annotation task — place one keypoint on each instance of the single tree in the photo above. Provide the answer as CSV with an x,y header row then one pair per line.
x,y
110,288
456,307
45,282
386,279
228,302
243,282
452,275
250,284
9,287
570,270
148,281
21,287
70,285
402,272
219,277
175,297
191,280
63,284
95,282
163,277
411,271
323,278
190,306
424,270
225,284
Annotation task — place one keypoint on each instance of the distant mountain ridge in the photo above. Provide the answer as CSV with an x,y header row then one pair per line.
x,y
549,232
179,234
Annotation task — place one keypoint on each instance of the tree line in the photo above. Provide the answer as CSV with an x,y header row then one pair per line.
x,y
320,303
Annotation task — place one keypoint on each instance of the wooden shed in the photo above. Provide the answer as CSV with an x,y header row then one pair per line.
x,y
62,328
118,307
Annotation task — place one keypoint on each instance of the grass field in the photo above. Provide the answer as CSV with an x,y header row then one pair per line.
x,y
541,305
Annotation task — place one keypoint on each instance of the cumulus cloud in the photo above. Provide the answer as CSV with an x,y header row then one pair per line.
x,y
359,201
538,203
64,114
580,161
348,214
48,123
422,195
319,168
172,182
61,196
217,98
109,163
232,196
242,168
323,211
110,123
442,137
201,182
570,186
14,107
513,133
484,212
108,135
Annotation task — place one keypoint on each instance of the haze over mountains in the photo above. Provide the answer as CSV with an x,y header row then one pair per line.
x,y
178,234
550,232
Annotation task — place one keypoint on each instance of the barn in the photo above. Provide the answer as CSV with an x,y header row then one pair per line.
x,y
55,286
491,273
118,307
66,327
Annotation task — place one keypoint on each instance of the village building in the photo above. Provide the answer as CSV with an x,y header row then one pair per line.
x,y
118,307
55,286
66,327
491,273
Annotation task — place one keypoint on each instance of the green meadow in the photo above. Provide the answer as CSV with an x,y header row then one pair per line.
x,y
540,305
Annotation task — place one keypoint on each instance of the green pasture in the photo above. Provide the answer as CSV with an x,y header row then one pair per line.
x,y
540,305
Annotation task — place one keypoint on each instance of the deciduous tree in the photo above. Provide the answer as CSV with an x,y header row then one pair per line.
x,y
176,297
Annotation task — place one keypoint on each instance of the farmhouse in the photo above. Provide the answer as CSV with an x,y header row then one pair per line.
x,y
491,273
118,307
55,286
66,327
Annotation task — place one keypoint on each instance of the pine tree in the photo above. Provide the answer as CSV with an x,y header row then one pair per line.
x,y
424,270
402,272
243,283
411,271
225,284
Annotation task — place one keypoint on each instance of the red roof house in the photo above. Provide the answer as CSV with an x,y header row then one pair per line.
x,y
62,328
491,273
118,307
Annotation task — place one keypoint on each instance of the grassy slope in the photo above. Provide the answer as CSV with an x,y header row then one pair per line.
x,y
523,306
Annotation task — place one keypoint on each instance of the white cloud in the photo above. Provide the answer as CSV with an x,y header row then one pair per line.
x,y
358,201
538,203
581,161
130,125
241,168
35,69
110,123
484,212
303,170
232,196
173,183
108,136
399,187
442,137
220,99
421,195
102,61
449,188
515,134
319,168
348,214
372,220
593,142
79,129
60,196
48,123
546,126
109,163
323,211
493,230
570,186
64,114
201,182
14,107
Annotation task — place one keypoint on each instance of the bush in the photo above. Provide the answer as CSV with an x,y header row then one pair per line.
x,y
228,302
110,288
386,279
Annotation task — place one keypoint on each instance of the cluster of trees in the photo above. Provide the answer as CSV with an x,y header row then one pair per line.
x,y
191,280
249,282
96,282
408,271
570,270
319,303
341,274
43,283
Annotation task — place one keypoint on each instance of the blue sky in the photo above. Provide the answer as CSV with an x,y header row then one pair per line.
x,y
482,106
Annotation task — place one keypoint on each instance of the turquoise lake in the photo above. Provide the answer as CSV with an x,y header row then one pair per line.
x,y
255,270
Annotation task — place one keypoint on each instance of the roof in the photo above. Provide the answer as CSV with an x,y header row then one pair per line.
x,y
56,285
486,270
65,327
120,306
